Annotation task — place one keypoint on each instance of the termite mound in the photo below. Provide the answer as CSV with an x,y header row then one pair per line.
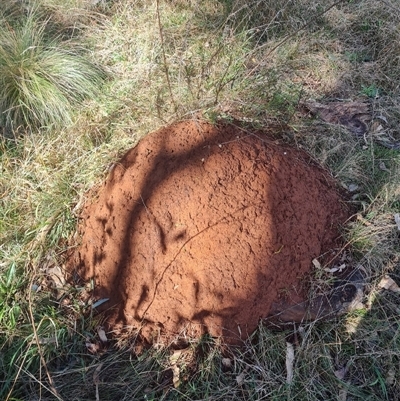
x,y
206,228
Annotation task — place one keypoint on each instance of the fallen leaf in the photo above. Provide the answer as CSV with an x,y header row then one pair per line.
x,y
99,302
383,167
240,378
316,263
376,127
342,394
397,220
353,323
102,334
355,305
92,347
390,377
383,118
388,283
289,362
56,275
176,372
336,269
227,362
352,115
340,373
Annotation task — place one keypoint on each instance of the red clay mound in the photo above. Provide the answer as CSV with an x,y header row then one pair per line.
x,y
204,229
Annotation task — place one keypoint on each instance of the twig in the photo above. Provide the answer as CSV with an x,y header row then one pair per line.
x,y
164,57
221,81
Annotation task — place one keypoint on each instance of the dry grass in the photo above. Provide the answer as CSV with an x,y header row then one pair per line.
x,y
238,59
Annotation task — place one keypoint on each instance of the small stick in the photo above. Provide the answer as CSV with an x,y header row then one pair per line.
x,y
164,57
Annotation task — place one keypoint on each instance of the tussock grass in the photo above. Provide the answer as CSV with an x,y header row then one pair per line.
x,y
246,60
42,78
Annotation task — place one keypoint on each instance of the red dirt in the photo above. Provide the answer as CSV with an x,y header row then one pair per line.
x,y
205,229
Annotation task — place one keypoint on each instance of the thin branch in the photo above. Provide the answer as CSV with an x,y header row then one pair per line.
x,y
164,57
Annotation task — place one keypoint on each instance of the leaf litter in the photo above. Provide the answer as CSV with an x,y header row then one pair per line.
x,y
388,283
356,117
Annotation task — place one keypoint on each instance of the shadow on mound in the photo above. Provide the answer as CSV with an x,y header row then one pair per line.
x,y
208,229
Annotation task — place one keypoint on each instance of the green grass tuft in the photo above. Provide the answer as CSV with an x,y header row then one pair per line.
x,y
42,77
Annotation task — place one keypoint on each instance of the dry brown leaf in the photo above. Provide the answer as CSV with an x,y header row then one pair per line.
x,y
336,269
397,220
316,263
342,394
289,362
383,167
102,334
352,187
352,115
92,347
353,323
176,372
391,376
388,283
240,378
376,127
56,275
340,373
227,362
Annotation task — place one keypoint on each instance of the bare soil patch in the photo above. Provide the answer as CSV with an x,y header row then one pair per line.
x,y
207,229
